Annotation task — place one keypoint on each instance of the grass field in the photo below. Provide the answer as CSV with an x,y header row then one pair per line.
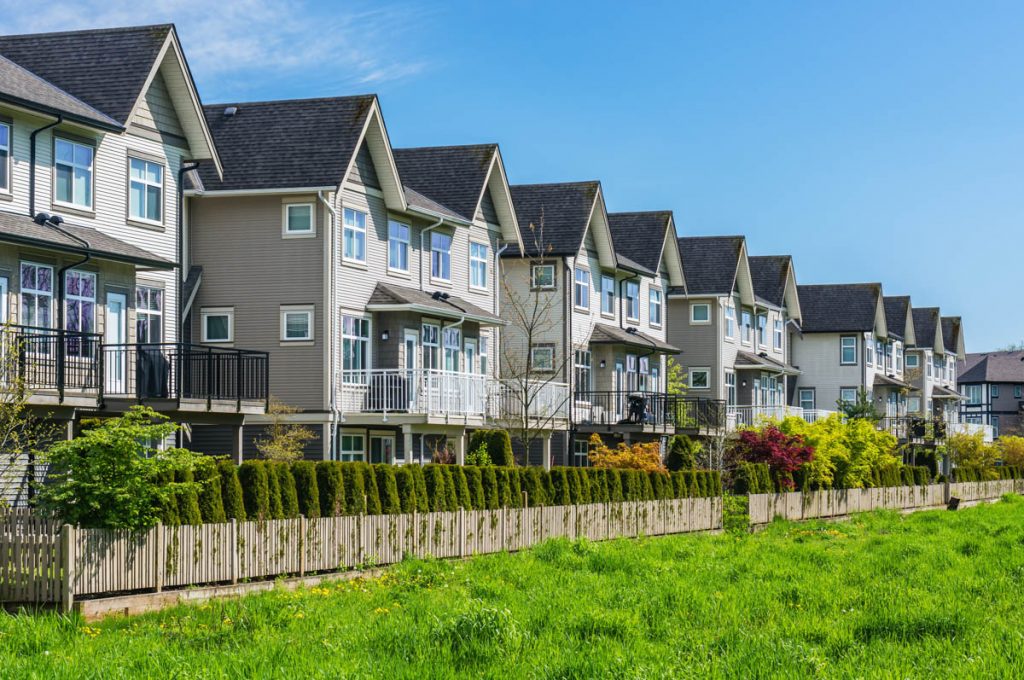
x,y
934,594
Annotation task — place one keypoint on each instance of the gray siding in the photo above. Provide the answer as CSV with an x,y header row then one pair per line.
x,y
487,209
363,172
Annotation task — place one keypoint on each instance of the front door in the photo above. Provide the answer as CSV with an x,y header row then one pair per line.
x,y
116,337
382,449
411,343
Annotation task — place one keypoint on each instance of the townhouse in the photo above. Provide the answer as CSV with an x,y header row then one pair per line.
x,y
586,301
992,384
933,358
96,128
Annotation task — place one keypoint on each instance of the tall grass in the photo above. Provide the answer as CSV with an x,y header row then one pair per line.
x,y
884,595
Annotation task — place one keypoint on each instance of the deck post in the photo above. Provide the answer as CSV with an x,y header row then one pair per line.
x,y
546,451
236,444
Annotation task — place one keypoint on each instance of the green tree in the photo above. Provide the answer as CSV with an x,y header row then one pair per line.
x,y
861,408
406,484
682,453
283,439
387,487
306,489
211,503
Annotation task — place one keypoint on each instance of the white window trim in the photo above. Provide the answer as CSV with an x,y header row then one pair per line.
x,y
706,371
145,183
576,283
364,451
533,358
91,206
356,228
304,233
800,397
10,156
651,294
848,389
296,309
51,294
728,309
843,362
610,313
758,334
778,334
746,330
408,248
533,276
229,312
694,321
451,247
485,260
916,361
629,301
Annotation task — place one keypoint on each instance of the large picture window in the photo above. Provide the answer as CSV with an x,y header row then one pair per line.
x,y
72,169
145,190
36,295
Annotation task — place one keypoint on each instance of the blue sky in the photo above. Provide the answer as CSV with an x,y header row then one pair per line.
x,y
872,141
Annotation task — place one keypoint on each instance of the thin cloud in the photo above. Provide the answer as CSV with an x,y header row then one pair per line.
x,y
234,46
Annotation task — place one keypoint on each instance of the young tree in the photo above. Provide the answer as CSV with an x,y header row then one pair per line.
x,y
283,440
861,408
783,453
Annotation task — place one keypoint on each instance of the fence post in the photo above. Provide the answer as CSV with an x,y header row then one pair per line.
x,y
234,550
67,546
161,555
462,531
303,548
504,529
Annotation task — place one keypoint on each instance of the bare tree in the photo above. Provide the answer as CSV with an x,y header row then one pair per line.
x,y
283,440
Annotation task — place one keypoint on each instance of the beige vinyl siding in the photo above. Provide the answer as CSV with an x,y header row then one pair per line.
x,y
701,343
363,172
817,356
247,265
514,351
156,110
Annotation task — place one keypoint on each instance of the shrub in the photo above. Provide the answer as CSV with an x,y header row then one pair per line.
x,y
658,485
613,478
536,493
971,451
475,485
462,498
598,486
716,482
751,478
187,497
921,475
387,487
355,489
255,489
167,505
436,487
306,490
492,495
560,481
515,487
784,453
231,488
679,485
274,489
1011,450
682,453
211,504
420,481
504,487
373,504
405,482
499,445
478,456
331,484
289,496
646,486
640,456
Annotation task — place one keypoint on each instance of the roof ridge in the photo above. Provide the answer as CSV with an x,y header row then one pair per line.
x,y
585,182
640,212
83,31
482,145
699,238
46,82
301,100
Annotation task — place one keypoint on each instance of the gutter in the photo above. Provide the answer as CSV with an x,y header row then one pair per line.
x,y
331,323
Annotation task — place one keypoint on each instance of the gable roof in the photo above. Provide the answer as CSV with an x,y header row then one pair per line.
x,y
897,308
558,213
389,297
769,274
21,87
952,335
927,328
647,239
840,308
452,176
714,265
105,68
1005,366
303,143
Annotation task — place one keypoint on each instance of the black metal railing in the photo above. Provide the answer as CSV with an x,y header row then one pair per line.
x,y
913,428
48,359
617,407
184,371
699,413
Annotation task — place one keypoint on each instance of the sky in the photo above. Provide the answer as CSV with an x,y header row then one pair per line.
x,y
873,141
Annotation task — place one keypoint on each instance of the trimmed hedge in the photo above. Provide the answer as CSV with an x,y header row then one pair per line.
x,y
252,474
498,443
306,490
231,490
211,504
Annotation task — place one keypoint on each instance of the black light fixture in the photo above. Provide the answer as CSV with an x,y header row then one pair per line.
x,y
602,364
385,334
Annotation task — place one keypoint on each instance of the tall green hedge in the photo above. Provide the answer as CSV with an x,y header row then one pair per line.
x,y
387,487
406,484
231,490
187,498
475,485
211,504
289,495
331,485
255,489
306,490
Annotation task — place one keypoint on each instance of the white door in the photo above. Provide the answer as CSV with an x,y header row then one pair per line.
x,y
116,337
474,386
412,364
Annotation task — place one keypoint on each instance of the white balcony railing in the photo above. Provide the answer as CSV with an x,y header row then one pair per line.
x,y
745,416
543,401
955,424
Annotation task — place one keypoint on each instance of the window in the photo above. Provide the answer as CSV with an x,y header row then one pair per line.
x,y
655,307
807,398
542,276
398,246
730,321
700,378
762,330
484,342
354,236
869,353
298,219
995,426
700,313
730,388
914,404
145,190
888,356
633,300
848,395
582,373
218,324
478,265
296,323
912,361
149,314
848,350
441,256
607,295
452,344
899,358
746,321
79,308
655,385
1016,391
645,371
355,348
879,352
777,334
631,372
581,289
994,391
581,452
72,169
5,157
542,357
431,346
351,447
36,295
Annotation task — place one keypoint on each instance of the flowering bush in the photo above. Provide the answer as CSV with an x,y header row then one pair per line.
x,y
625,457
784,453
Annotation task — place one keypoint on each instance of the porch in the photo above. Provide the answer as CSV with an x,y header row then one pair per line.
x,y
749,416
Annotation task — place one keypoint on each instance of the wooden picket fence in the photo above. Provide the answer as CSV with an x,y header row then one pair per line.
x,y
55,566
842,502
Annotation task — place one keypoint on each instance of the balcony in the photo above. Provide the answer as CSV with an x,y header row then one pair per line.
x,y
534,404
749,416
67,368
646,411
421,392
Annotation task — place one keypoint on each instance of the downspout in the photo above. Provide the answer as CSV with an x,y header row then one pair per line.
x,y
423,236
180,283
497,267
567,374
61,285
32,164
332,379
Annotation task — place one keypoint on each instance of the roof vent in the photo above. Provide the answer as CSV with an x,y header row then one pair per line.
x,y
230,111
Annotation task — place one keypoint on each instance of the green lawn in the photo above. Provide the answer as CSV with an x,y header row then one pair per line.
x,y
934,594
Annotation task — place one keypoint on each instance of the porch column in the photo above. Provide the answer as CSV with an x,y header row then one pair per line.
x,y
460,448
545,450
236,444
407,443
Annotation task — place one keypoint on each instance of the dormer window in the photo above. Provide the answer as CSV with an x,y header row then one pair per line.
x,y
72,170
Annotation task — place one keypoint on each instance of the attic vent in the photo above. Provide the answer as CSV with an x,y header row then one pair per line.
x,y
230,111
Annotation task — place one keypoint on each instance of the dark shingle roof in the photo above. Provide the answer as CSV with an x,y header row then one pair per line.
x,y
613,335
1006,366
768,274
452,307
925,319
896,308
710,262
839,308
640,236
23,230
452,176
105,68
417,200
20,86
558,212
295,143
950,331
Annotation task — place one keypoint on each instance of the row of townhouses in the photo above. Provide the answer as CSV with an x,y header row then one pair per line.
x,y
202,258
